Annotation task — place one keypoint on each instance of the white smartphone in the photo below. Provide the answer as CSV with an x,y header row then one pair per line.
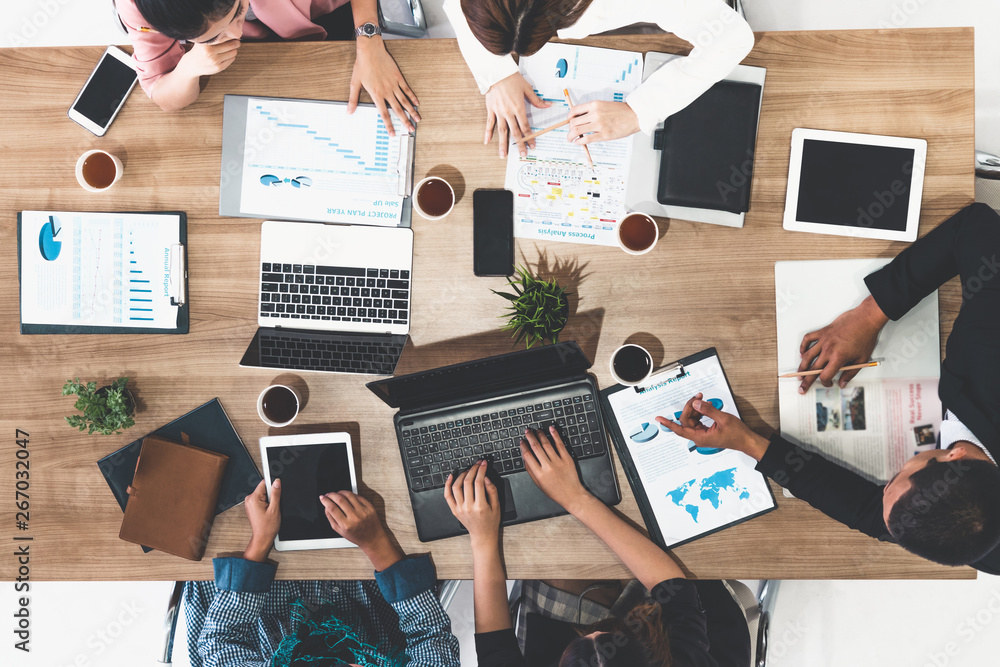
x,y
105,92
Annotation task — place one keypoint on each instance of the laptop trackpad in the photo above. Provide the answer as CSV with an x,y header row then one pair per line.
x,y
507,502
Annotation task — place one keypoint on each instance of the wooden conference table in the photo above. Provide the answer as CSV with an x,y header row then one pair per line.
x,y
702,286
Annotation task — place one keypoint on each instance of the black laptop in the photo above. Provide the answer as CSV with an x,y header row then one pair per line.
x,y
451,417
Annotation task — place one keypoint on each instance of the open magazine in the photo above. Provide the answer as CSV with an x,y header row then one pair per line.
x,y
886,413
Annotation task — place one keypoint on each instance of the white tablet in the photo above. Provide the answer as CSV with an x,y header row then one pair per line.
x,y
861,185
308,466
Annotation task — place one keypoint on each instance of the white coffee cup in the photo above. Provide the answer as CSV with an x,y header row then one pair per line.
x,y
618,237
630,383
119,170
416,198
260,405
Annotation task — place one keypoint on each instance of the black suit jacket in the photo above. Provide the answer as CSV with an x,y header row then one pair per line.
x,y
966,245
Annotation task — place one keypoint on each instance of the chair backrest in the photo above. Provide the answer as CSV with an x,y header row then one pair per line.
x,y
402,17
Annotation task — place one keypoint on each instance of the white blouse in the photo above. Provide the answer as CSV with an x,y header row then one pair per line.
x,y
720,37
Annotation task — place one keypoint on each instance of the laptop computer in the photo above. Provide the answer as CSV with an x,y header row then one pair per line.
x,y
333,298
453,416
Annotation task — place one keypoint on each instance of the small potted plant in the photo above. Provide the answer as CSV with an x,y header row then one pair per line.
x,y
107,410
538,309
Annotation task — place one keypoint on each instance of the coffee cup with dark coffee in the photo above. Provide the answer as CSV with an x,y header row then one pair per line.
x,y
98,170
433,198
631,365
637,233
278,405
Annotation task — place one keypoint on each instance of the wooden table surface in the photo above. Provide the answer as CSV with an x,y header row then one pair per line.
x,y
702,286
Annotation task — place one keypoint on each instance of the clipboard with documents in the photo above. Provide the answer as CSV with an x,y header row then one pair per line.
x,y
291,159
102,272
684,492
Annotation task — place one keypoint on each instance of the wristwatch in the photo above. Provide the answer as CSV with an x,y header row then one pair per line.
x,y
368,30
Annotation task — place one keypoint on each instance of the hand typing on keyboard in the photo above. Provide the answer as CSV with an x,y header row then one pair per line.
x,y
552,468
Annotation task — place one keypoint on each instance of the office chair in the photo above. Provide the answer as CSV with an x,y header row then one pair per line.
x,y
446,593
988,179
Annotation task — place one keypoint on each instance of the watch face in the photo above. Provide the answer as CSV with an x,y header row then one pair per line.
x,y
368,29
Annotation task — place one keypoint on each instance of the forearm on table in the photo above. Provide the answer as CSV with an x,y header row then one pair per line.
x,y
382,553
645,560
489,585
176,89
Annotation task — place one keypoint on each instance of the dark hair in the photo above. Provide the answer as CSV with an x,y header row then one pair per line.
x,y
951,512
183,19
640,640
520,26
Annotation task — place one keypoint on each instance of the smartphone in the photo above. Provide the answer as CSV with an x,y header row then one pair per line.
x,y
492,232
105,92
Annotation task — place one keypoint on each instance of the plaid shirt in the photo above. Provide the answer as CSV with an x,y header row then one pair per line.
x,y
239,619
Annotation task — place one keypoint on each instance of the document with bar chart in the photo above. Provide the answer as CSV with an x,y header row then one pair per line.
x,y
311,160
558,196
99,269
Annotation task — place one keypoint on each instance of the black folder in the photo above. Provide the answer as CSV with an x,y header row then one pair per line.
x,y
208,427
708,148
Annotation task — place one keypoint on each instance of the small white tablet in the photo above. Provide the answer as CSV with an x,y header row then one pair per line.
x,y
308,466
861,185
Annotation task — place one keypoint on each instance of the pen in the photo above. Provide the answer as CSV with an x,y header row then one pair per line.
x,y
542,131
586,150
870,364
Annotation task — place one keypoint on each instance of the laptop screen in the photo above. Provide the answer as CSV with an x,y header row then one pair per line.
x,y
489,376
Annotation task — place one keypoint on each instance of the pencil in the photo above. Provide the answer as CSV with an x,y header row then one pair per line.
x,y
586,150
869,364
541,132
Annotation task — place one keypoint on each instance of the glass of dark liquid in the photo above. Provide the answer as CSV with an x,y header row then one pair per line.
x,y
637,233
278,405
434,198
631,365
98,170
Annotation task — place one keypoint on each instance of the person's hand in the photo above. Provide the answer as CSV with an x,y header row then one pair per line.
x,y
265,519
505,111
552,468
377,73
849,339
355,519
475,502
728,431
601,121
207,59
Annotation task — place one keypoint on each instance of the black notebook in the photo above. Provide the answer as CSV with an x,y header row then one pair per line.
x,y
208,427
708,147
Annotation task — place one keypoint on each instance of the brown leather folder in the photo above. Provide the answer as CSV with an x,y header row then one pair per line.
x,y
172,498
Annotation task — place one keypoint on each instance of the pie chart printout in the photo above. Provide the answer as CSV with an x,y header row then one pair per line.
x,y
644,433
47,243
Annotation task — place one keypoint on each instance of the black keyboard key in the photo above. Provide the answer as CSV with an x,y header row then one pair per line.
x,y
542,415
398,284
400,305
404,274
593,423
394,273
267,307
417,484
269,287
372,273
299,278
310,279
283,288
286,268
296,268
272,278
308,269
266,266
340,270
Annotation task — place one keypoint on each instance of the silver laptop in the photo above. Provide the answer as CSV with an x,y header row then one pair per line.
x,y
332,298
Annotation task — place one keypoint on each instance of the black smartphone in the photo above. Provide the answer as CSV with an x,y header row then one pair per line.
x,y
105,92
492,232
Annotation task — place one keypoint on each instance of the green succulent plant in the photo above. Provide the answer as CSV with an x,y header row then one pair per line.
x,y
107,410
538,309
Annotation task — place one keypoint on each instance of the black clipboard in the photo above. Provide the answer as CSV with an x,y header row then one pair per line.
x,y
183,315
675,369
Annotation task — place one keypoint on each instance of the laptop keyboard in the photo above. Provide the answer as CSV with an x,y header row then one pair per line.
x,y
298,352
434,449
334,293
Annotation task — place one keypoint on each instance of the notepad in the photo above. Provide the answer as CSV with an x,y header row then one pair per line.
x,y
101,272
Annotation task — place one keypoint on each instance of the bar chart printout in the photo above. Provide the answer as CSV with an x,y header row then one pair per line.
x,y
558,197
312,160
97,269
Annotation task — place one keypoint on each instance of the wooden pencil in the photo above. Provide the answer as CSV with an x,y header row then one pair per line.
x,y
844,368
542,131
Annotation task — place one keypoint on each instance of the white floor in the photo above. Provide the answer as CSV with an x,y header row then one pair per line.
x,y
816,624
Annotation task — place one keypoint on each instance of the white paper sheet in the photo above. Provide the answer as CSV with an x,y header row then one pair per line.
x,y
317,162
97,269
898,404
557,195
691,491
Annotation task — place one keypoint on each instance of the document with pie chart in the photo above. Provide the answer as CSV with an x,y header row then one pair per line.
x,y
98,269
684,491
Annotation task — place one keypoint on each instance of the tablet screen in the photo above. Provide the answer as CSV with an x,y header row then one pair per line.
x,y
307,472
855,185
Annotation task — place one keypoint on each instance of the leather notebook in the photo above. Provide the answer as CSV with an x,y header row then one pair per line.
x,y
172,497
708,148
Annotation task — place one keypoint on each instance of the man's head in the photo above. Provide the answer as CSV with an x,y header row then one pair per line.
x,y
201,21
944,505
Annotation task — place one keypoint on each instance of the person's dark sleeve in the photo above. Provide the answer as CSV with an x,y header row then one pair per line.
x,y
834,490
927,264
685,621
498,649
